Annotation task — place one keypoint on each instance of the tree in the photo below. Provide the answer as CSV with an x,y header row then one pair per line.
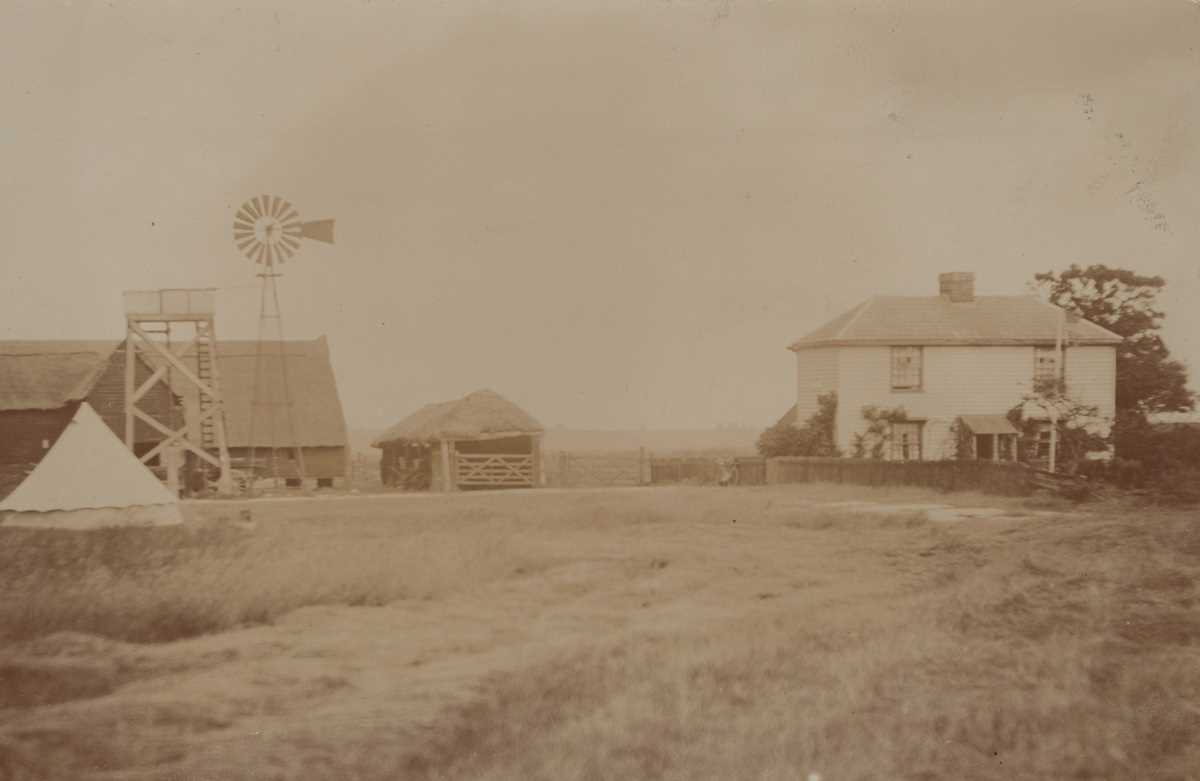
x,y
1080,428
1125,303
814,438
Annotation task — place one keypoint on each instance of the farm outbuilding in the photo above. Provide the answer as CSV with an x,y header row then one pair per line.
x,y
42,384
479,441
88,479
316,434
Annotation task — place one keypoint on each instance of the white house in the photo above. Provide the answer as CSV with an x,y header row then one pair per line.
x,y
953,356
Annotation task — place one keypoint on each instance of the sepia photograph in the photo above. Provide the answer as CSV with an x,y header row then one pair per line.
x,y
574,390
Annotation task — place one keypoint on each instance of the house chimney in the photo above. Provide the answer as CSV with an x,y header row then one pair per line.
x,y
958,286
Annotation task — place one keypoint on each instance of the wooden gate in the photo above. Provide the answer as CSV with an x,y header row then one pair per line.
x,y
493,469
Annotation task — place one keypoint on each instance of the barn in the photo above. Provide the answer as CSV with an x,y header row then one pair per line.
x,y
262,430
479,441
43,383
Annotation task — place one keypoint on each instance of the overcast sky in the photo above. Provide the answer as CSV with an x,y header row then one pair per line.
x,y
616,213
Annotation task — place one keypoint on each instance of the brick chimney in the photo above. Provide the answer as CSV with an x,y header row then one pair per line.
x,y
958,286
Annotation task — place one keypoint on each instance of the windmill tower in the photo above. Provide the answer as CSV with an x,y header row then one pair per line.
x,y
268,230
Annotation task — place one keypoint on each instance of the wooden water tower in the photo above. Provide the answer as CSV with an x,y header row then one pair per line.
x,y
152,318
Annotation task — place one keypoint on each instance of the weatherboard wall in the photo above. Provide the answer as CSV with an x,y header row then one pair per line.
x,y
956,380
816,374
107,397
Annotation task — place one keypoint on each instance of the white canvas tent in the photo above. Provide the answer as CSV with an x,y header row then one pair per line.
x,y
87,480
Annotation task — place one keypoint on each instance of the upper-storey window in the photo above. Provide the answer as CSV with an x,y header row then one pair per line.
x,y
1045,364
906,368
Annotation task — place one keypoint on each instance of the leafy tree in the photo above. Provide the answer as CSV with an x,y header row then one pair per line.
x,y
1125,303
814,438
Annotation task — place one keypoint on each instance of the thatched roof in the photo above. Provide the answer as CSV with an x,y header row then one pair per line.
x,y
316,407
483,413
48,375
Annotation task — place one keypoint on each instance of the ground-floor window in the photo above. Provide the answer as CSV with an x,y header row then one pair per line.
x,y
906,441
1043,439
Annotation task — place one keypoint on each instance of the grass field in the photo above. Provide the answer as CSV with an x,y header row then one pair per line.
x,y
681,633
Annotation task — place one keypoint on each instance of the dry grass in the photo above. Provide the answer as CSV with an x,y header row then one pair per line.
x,y
680,633
162,584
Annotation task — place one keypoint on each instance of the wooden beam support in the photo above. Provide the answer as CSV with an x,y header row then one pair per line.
x,y
161,372
171,438
179,365
130,378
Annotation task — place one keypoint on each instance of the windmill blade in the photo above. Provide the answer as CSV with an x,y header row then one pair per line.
x,y
318,230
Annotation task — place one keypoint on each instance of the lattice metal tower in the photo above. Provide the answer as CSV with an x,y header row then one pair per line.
x,y
268,230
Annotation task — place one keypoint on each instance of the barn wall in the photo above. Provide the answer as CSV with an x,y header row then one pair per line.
x,y
318,461
22,433
108,399
511,445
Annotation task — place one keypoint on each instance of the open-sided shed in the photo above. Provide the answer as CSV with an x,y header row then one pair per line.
x,y
479,441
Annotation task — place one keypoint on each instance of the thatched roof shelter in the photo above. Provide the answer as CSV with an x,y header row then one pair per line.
x,y
482,440
483,414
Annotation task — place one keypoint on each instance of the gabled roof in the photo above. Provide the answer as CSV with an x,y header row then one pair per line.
x,y
934,320
479,414
45,375
317,414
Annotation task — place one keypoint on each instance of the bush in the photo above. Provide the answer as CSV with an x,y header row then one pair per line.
x,y
814,438
1178,486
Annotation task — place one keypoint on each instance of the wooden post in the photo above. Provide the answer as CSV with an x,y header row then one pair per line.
x,y
535,442
995,447
447,478
130,378
171,457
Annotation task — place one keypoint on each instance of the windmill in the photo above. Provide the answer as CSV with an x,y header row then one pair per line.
x,y
268,230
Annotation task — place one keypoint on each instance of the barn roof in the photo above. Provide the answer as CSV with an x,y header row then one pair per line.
x,y
933,320
317,413
480,414
45,375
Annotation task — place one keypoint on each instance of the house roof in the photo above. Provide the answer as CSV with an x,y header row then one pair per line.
x,y
480,414
45,375
317,415
934,320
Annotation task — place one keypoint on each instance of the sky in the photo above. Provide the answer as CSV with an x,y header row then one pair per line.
x,y
617,214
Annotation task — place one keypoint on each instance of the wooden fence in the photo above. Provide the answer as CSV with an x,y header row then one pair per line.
x,y
595,470
986,476
707,471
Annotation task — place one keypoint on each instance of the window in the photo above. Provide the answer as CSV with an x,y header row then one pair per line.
x,y
906,441
906,368
1043,440
1045,364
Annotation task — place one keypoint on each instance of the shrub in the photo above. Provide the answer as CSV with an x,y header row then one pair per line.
x,y
814,438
